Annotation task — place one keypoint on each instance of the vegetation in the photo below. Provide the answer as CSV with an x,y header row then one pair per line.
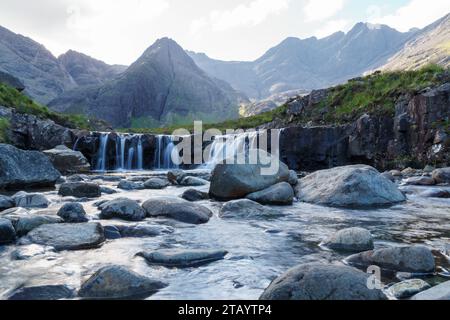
x,y
4,126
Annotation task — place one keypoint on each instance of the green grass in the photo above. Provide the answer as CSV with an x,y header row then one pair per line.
x,y
4,126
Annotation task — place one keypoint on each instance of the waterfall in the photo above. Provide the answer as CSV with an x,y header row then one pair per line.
x,y
101,156
130,158
140,154
165,146
75,146
123,141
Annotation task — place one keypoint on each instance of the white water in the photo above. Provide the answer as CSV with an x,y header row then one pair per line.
x,y
101,161
165,148
140,154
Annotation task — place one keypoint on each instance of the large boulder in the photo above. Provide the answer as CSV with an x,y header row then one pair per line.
x,y
65,236
278,194
80,190
350,186
180,258
7,232
439,292
234,181
351,240
25,169
322,282
177,209
442,175
49,292
30,200
68,161
116,282
414,259
246,209
73,213
124,209
6,203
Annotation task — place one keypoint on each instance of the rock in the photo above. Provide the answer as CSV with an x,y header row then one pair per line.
x,y
30,251
79,236
429,169
321,282
177,209
30,200
195,195
156,184
107,190
50,292
25,169
351,240
408,288
124,209
235,181
278,194
77,178
80,190
442,175
130,185
193,182
7,232
388,176
180,258
175,176
436,193
396,173
440,292
68,161
24,224
414,259
6,203
293,178
245,209
143,230
73,213
350,186
116,282
420,181
409,172
112,232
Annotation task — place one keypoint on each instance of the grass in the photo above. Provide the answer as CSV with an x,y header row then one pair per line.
x,y
4,126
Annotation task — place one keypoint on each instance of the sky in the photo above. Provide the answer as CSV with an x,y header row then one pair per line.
x,y
118,31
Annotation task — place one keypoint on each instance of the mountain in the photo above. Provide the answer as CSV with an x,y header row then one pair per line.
x,y
430,45
85,70
164,86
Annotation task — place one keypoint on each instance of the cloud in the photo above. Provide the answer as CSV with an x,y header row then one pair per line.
x,y
417,13
331,27
318,10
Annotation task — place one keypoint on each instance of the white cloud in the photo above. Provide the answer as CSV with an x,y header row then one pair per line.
x,y
318,10
417,13
331,27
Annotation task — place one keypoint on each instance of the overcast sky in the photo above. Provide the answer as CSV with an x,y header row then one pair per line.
x,y
118,31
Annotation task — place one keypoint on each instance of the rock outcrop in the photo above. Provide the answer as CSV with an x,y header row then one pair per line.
x,y
68,161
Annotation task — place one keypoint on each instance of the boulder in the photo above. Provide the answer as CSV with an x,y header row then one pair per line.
x,y
440,292
68,161
278,194
124,209
181,258
30,251
50,292
24,223
235,181
80,190
130,185
442,175
193,182
106,190
436,193
175,176
414,259
177,209
112,232
420,181
195,195
73,213
30,200
6,203
351,240
156,184
116,282
350,186
293,178
79,236
388,176
7,232
246,209
21,169
143,230
322,282
408,288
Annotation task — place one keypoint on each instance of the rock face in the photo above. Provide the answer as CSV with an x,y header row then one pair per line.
x,y
73,213
180,258
408,288
124,209
68,161
442,175
351,186
177,209
351,240
63,236
245,209
51,292
278,194
80,190
30,200
321,282
440,292
7,232
414,259
116,282
234,181
25,169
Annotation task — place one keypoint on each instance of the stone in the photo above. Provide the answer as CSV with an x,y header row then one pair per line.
x,y
177,209
246,209
195,195
429,169
112,232
30,200
25,169
106,190
67,161
183,258
175,176
29,251
442,176
73,213
420,181
156,184
436,193
116,282
278,194
351,240
193,182
79,190
414,259
350,186
408,288
23,224
7,232
130,185
6,203
439,292
49,292
79,236
124,209
293,178
322,282
388,176
143,230
77,178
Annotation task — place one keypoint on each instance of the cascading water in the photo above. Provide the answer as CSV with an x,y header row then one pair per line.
x,y
140,154
101,156
165,147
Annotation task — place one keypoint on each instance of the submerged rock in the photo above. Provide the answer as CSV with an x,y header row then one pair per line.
x,y
420,181
156,184
7,232
30,251
278,194
73,213
68,161
116,282
442,175
50,292
408,288
436,193
195,195
80,190
440,292
193,182
107,190
183,258
124,209
30,200
143,230
321,282
6,203
246,209
351,240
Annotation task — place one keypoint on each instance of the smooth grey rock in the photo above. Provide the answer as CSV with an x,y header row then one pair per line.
x,y
30,200
195,195
408,288
278,194
193,182
130,185
442,175
112,232
388,176
175,176
350,186
293,178
79,236
68,161
50,292
183,258
7,232
116,282
246,209
435,193
124,209
143,230
79,190
23,224
77,178
30,251
107,190
156,184
321,282
414,259
6,203
73,213
440,292
177,209
420,181
351,240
